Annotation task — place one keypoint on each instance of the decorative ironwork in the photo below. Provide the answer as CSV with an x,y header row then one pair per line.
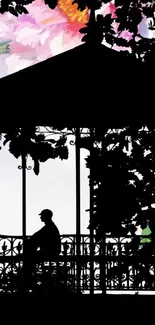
x,y
66,266
124,270
127,269
27,167
72,142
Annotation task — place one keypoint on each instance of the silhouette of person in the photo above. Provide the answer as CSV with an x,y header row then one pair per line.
x,y
47,240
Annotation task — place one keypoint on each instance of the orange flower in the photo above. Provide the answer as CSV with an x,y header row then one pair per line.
x,y
72,12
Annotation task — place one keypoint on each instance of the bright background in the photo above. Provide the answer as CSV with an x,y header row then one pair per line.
x,y
54,188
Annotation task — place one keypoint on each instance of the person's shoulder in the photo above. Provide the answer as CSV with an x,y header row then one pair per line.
x,y
53,226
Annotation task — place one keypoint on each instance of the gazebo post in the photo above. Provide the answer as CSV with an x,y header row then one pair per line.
x,y
24,200
103,243
78,205
23,167
91,219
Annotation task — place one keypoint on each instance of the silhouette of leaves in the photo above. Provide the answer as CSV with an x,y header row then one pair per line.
x,y
23,141
51,3
4,6
61,141
121,2
81,4
85,142
147,11
123,177
20,9
63,153
18,6
97,28
90,4
129,15
36,167
94,30
52,140
118,189
13,11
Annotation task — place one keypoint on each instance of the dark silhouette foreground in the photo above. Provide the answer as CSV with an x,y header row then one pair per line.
x,y
44,245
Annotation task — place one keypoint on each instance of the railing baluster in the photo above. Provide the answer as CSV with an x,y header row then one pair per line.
x,y
11,263
4,247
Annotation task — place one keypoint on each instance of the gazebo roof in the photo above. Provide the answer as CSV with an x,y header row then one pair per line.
x,y
82,55
82,79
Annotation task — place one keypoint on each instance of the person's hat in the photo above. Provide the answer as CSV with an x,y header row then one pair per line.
x,y
46,212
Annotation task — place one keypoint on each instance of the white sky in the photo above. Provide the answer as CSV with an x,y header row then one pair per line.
x,y
54,188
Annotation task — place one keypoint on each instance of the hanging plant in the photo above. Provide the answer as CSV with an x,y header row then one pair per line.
x,y
27,141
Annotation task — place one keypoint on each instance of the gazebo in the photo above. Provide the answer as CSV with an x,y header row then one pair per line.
x,y
85,265
72,267
83,262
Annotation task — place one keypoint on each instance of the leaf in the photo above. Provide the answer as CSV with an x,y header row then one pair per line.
x,y
24,10
83,30
105,1
15,148
7,139
20,9
61,141
36,167
144,225
13,11
121,42
4,7
145,240
85,143
63,153
120,2
52,141
147,11
81,4
51,3
85,39
110,39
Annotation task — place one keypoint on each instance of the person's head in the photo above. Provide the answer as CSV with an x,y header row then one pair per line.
x,y
46,215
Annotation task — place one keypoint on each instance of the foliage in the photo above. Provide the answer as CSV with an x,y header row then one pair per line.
x,y
129,15
27,141
123,172
90,4
17,7
122,164
97,29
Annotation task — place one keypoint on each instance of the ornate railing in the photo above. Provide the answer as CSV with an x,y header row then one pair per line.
x,y
63,270
116,266
130,264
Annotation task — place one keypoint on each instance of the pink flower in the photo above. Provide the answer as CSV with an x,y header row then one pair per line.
x,y
126,35
15,63
121,48
109,9
36,36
